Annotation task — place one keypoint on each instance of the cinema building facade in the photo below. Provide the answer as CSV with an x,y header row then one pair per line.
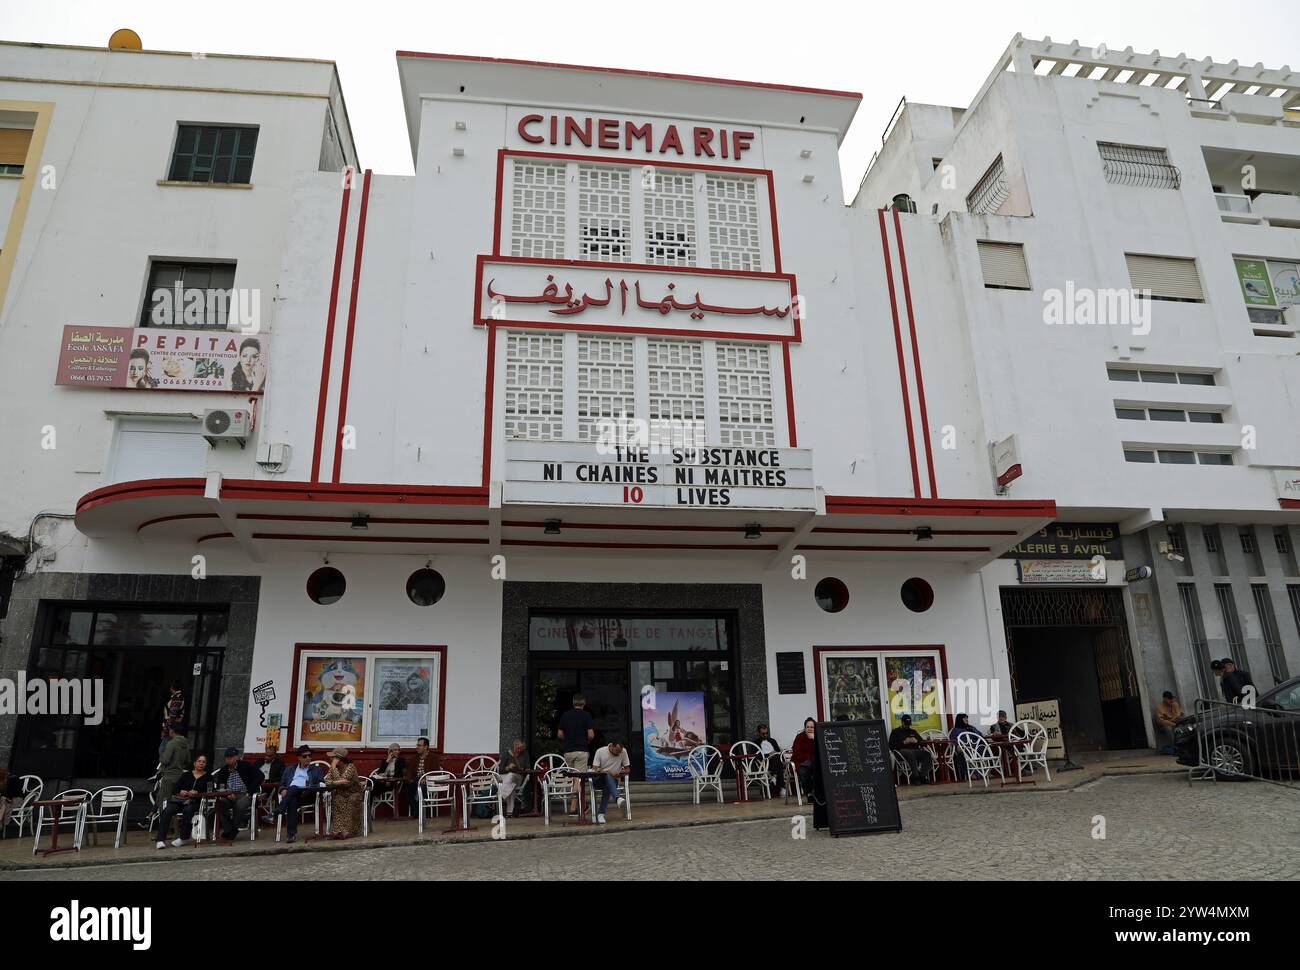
x,y
612,396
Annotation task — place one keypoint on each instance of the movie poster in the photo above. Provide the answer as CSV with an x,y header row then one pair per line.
x,y
914,689
672,723
333,700
853,688
405,706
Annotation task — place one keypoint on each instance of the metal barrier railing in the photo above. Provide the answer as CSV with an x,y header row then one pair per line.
x,y
1235,741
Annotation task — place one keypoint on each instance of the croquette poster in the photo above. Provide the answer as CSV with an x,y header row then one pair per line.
x,y
157,359
333,700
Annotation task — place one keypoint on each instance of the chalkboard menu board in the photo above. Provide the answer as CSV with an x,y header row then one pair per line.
x,y
854,791
789,673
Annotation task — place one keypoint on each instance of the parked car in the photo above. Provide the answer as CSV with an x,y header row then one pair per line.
x,y
1242,741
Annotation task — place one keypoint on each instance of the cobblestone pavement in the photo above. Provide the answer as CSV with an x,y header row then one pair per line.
x,y
1156,826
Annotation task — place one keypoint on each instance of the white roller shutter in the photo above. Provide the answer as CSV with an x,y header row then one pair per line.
x,y
1166,277
158,449
1004,265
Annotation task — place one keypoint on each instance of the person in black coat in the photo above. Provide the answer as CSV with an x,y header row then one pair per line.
x,y
905,741
244,783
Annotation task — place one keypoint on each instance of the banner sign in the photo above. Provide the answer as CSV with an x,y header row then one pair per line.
x,y
526,292
151,359
562,473
1060,571
1287,481
1252,274
1065,540
672,725
1047,713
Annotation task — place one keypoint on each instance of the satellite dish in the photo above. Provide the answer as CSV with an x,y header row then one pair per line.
x,y
125,39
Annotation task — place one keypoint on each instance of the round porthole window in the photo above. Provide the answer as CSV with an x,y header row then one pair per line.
x,y
326,585
832,595
918,595
425,587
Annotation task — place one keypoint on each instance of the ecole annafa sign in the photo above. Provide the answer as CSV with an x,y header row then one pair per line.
x,y
560,473
163,359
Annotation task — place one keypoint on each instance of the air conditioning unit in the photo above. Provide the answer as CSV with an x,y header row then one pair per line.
x,y
226,424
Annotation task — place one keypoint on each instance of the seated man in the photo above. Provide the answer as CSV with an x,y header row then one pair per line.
x,y
612,761
907,743
243,781
424,761
513,765
1168,711
296,785
775,763
1001,728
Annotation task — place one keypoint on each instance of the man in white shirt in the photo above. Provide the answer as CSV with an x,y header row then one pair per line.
x,y
772,756
613,763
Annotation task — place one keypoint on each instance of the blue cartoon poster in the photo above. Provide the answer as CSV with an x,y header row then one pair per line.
x,y
672,723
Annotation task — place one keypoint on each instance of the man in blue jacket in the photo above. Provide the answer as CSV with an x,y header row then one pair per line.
x,y
298,783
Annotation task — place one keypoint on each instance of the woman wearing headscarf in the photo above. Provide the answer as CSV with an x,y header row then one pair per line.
x,y
963,726
346,802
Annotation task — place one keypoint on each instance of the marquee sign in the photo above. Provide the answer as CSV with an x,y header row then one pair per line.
x,y
579,473
626,297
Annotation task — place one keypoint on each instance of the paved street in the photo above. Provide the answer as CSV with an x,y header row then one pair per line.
x,y
1156,826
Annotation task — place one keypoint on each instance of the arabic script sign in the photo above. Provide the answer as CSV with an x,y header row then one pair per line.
x,y
1070,540
153,359
564,473
611,295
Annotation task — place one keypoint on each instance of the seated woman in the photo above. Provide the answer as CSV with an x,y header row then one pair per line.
x,y
802,753
346,803
390,773
184,800
962,726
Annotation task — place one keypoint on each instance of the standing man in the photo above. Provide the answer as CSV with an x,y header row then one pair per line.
x,y
1235,681
613,764
244,782
176,760
576,731
424,761
513,765
1168,711
298,783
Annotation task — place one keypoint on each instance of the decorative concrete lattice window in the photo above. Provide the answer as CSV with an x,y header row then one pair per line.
x,y
606,377
537,210
534,407
990,191
745,395
604,214
670,219
676,369
733,223
1147,168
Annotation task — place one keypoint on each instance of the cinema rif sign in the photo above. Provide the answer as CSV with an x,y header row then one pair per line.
x,y
645,137
580,473
634,298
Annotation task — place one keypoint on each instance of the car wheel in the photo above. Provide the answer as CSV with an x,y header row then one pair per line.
x,y
1230,758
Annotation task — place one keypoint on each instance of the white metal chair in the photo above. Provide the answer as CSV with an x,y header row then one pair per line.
x,y
32,786
705,766
433,792
1029,741
557,785
750,765
480,762
320,797
73,815
484,788
387,797
791,777
902,770
107,805
980,758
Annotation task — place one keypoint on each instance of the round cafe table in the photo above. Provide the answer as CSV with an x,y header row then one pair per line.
x,y
56,807
938,748
536,774
1010,762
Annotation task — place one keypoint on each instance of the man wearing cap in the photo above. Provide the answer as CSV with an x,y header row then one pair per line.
x,y
296,784
1168,711
906,743
1235,681
243,781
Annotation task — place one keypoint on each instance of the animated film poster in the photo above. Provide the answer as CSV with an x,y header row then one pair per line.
x,y
672,724
333,700
914,689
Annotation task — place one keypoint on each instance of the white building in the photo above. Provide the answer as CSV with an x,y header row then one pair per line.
x,y
422,535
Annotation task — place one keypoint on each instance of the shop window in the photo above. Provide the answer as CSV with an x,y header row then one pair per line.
x,y
213,153
832,595
326,586
918,595
425,587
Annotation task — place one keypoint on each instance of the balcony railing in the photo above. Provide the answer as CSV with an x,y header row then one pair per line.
x,y
1235,204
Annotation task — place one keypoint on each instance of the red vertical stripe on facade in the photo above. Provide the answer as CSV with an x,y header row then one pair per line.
x,y
487,403
916,354
329,333
789,394
898,343
352,321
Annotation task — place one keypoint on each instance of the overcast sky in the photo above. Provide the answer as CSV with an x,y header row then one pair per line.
x,y
938,51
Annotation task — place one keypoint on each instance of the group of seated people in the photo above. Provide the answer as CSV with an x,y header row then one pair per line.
x,y
907,743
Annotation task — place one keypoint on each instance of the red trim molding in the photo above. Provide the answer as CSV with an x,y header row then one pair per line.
x,y
248,490
1290,503
916,355
851,505
898,343
329,331
352,322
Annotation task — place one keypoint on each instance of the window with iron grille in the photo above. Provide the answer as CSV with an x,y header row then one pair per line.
x,y
190,294
733,223
670,219
606,378
1196,641
676,375
1147,168
537,220
1272,639
1248,542
213,153
1281,541
990,191
1211,536
1293,594
1231,623
745,395
604,214
1176,542
534,391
